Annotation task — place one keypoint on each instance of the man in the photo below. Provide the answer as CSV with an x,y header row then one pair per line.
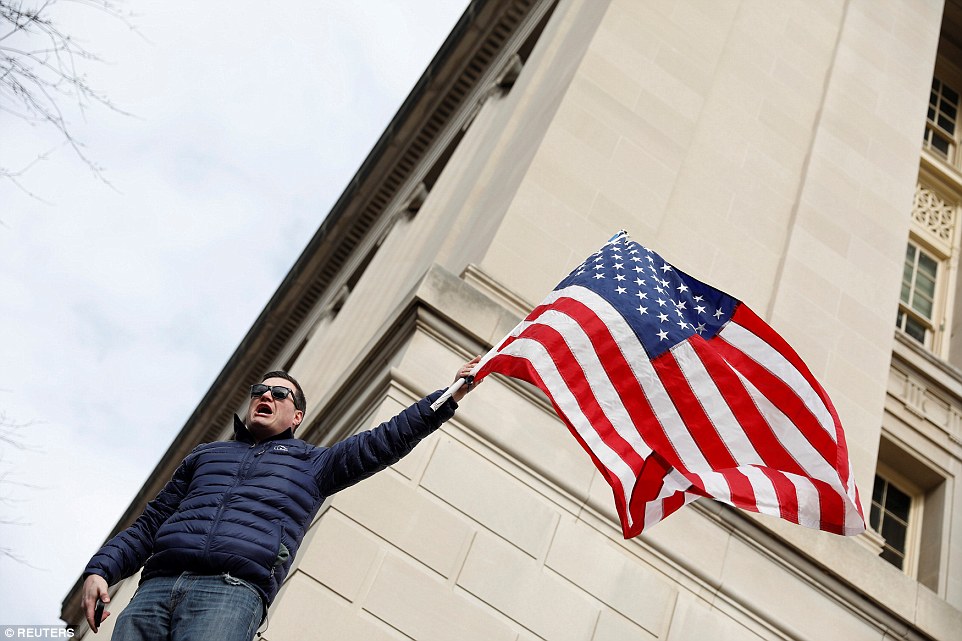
x,y
219,539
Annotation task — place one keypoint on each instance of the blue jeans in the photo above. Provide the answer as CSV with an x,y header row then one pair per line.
x,y
191,607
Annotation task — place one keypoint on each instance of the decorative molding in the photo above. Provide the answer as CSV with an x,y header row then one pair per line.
x,y
929,393
871,541
933,214
514,303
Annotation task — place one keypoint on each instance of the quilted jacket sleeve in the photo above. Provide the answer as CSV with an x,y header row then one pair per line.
x,y
126,552
359,456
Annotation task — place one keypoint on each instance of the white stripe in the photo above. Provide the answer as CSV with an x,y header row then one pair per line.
x,y
811,461
601,387
854,523
809,504
716,407
766,499
772,360
792,439
715,485
661,404
535,353
672,482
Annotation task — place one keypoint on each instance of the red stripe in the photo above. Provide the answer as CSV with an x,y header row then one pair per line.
x,y
746,413
693,415
743,495
672,504
652,471
522,369
623,379
781,396
832,508
577,383
752,322
619,374
785,492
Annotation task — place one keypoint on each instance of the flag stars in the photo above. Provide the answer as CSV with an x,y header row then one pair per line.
x,y
661,302
620,290
719,313
619,266
682,324
639,282
663,317
642,295
666,267
700,328
662,335
599,276
700,309
642,310
620,277
682,288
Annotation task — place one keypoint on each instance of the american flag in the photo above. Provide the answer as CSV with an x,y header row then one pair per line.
x,y
677,391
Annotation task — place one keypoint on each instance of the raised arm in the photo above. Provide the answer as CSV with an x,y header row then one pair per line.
x,y
366,453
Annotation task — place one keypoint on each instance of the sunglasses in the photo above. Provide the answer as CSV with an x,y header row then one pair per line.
x,y
279,392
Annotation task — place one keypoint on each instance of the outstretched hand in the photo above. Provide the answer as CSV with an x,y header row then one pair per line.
x,y
465,370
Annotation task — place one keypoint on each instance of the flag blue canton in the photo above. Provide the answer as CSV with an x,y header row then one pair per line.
x,y
664,306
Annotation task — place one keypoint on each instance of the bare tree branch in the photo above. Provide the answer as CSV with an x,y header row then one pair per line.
x,y
42,65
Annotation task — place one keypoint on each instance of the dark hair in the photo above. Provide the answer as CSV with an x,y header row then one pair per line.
x,y
299,401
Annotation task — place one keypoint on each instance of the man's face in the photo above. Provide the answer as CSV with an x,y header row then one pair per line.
x,y
267,416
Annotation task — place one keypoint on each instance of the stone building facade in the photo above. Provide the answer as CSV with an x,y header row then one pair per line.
x,y
801,154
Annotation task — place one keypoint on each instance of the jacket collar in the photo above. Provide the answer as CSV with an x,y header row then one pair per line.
x,y
241,433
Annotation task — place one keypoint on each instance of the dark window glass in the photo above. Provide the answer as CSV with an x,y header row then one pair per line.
x,y
889,517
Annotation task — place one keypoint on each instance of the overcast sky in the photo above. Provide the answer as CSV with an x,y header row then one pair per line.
x,y
120,304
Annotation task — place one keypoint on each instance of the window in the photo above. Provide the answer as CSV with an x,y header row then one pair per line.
x,y
917,302
940,126
890,519
910,512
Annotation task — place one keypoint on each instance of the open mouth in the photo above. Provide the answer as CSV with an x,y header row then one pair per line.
x,y
263,409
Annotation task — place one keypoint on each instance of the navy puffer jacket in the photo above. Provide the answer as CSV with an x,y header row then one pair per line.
x,y
242,507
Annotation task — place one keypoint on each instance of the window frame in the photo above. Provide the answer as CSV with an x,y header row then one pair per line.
x,y
949,75
933,128
913,530
940,238
935,325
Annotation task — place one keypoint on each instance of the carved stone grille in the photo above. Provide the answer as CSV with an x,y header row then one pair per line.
x,y
933,214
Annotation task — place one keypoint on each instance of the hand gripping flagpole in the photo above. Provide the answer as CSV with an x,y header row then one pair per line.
x,y
464,380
